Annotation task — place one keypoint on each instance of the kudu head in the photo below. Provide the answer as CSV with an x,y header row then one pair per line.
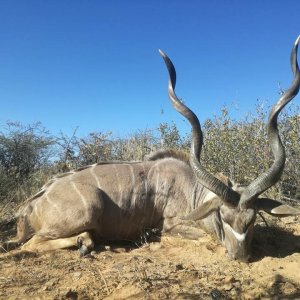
x,y
237,208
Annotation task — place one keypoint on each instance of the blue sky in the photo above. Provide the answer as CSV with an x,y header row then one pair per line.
x,y
95,64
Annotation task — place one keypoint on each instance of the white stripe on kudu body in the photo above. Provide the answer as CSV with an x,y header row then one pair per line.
x,y
83,200
92,171
119,200
133,201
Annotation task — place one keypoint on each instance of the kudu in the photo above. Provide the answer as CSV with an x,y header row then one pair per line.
x,y
170,191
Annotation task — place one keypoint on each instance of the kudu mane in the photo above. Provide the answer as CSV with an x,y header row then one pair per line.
x,y
157,155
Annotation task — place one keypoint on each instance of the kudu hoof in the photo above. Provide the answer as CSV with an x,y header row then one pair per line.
x,y
82,248
83,251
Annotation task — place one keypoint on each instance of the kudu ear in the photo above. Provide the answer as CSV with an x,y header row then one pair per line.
x,y
275,208
204,210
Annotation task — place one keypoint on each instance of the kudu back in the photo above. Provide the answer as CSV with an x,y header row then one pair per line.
x,y
171,191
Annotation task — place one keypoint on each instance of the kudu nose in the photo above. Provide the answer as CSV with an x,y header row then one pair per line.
x,y
245,259
238,257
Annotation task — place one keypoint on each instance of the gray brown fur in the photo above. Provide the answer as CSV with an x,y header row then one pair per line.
x,y
115,201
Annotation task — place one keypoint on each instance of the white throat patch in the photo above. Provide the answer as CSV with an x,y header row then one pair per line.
x,y
239,236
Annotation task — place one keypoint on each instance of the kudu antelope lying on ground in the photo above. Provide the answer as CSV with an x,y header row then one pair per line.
x,y
109,201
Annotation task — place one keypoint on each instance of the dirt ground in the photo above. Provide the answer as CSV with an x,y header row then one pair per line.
x,y
172,268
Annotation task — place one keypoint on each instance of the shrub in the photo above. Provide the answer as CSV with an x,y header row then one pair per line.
x,y
237,148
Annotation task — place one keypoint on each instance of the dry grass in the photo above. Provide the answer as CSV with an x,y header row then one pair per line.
x,y
173,268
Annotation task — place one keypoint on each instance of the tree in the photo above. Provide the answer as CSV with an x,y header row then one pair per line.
x,y
24,151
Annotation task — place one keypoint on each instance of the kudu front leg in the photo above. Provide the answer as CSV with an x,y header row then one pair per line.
x,y
40,244
177,226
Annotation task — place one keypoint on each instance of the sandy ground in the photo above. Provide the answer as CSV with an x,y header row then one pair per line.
x,y
173,268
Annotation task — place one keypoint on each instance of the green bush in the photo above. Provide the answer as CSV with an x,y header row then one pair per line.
x,y
240,148
25,153
237,148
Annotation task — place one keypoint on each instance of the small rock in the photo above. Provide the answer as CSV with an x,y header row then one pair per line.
x,y
228,286
77,275
219,277
71,294
120,250
237,284
229,279
179,267
271,284
253,294
216,295
49,285
119,267
289,288
155,246
89,255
